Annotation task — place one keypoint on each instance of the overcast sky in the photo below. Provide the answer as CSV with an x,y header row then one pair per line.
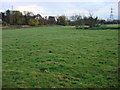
x,y
100,8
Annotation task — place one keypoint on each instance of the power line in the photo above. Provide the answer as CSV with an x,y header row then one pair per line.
x,y
12,7
111,14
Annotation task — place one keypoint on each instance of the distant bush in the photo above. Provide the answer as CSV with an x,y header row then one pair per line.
x,y
41,21
62,21
4,23
33,22
51,20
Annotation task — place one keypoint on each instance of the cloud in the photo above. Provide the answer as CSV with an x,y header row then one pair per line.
x,y
100,8
104,12
78,11
1,10
59,0
31,8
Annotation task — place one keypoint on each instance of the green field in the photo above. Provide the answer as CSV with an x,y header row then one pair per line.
x,y
60,57
104,27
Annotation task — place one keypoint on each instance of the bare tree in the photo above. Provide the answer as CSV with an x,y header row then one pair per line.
x,y
92,21
78,19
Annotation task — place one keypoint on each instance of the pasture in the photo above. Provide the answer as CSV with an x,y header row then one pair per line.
x,y
60,57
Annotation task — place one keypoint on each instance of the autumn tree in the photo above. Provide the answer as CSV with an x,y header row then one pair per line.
x,y
27,16
18,18
9,17
92,21
51,20
62,20
33,22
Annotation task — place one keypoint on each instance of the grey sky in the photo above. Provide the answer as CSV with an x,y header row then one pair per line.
x,y
100,8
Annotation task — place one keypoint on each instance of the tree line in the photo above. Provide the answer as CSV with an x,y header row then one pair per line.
x,y
28,18
13,17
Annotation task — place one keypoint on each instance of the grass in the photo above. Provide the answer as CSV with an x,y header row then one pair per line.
x,y
114,26
60,57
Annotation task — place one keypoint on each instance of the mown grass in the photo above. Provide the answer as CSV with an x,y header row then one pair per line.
x,y
110,27
60,57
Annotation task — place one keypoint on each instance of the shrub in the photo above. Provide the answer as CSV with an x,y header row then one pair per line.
x,y
62,20
33,22
42,21
4,23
